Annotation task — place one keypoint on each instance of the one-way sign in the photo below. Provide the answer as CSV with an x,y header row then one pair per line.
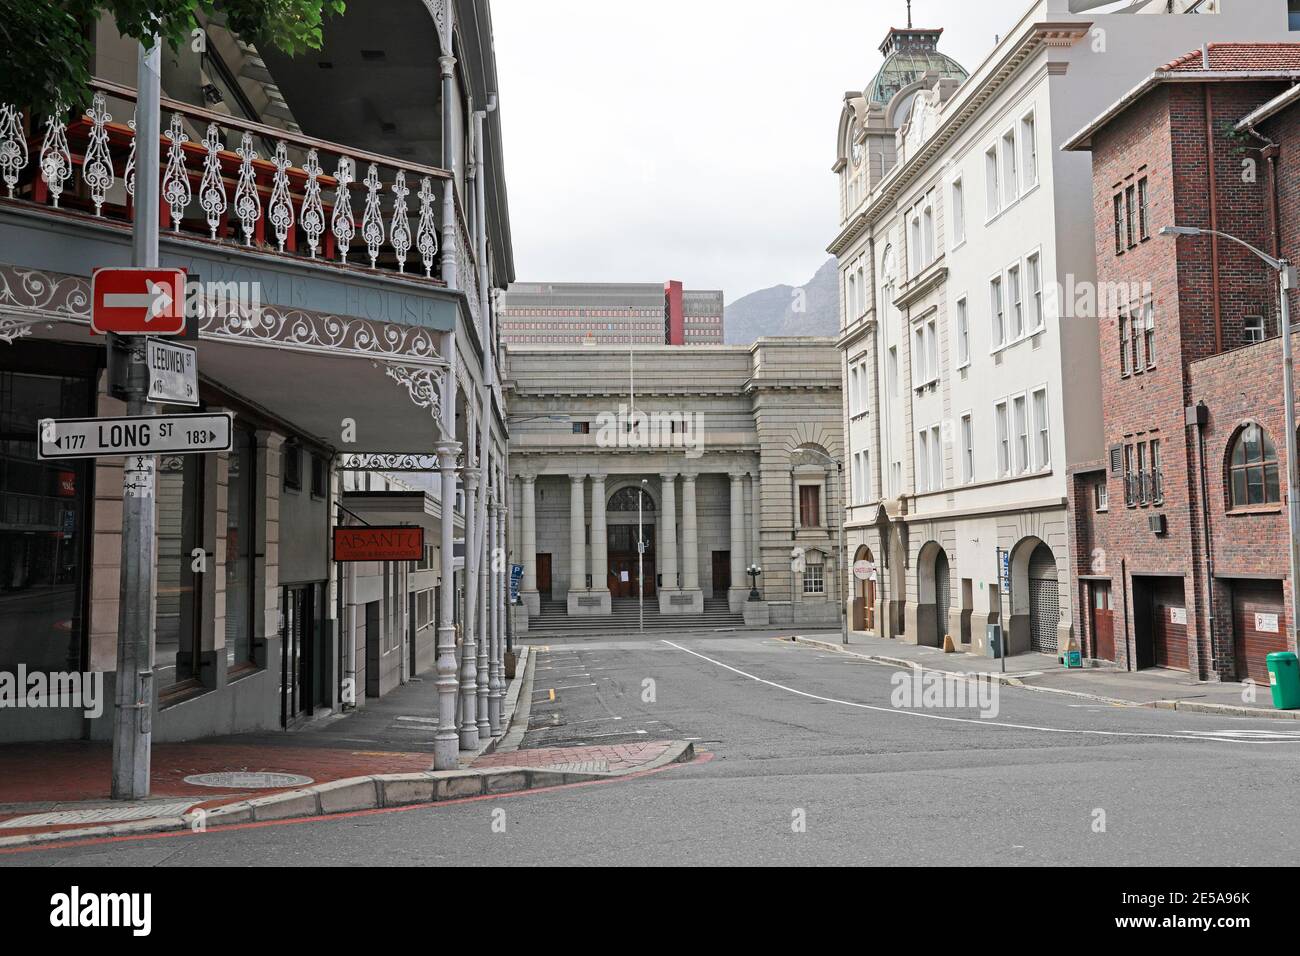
x,y
143,435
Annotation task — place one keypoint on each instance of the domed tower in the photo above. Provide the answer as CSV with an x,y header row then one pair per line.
x,y
870,126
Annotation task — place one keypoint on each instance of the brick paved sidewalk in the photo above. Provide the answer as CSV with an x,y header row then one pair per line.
x,y
594,759
76,776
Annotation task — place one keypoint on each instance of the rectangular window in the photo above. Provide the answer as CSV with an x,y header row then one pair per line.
x,y
1149,332
1136,342
178,624
1017,307
319,476
1157,479
963,334
814,581
1293,14
1021,420
999,318
1124,333
993,186
927,222
1004,439
1010,175
919,372
936,460
1143,479
923,460
932,349
1042,437
1130,214
1144,223
914,246
958,214
1100,496
1130,476
810,506
1035,266
292,458
1253,329
1119,223
893,370
967,449
1029,148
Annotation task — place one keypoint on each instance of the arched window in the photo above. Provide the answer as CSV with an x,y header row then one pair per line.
x,y
1252,469
625,499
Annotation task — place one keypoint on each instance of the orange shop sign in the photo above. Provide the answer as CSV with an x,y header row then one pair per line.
x,y
374,543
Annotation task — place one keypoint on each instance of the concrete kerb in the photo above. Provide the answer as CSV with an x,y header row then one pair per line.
x,y
1017,680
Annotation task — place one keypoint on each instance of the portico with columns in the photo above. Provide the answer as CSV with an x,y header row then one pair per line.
x,y
661,511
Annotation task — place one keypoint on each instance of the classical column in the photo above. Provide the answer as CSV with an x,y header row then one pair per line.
x,y
484,614
577,533
499,569
690,537
468,646
737,537
599,537
528,532
668,546
446,744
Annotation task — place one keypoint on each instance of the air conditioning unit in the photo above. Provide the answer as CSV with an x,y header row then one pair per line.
x,y
1156,523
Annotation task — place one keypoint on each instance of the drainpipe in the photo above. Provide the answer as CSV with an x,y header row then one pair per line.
x,y
1214,211
1198,416
1130,644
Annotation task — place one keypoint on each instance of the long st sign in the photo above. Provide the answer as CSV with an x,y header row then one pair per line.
x,y
138,435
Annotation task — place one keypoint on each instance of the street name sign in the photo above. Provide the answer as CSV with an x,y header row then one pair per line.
x,y
379,543
140,435
173,372
138,301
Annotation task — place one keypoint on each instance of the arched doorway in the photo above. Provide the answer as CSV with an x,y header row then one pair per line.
x,y
932,595
864,590
621,536
1044,600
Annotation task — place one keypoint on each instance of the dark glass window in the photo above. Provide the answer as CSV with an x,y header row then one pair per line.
x,y
240,517
319,474
292,456
178,617
43,514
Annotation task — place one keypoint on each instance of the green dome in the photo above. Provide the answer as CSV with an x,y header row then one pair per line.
x,y
909,55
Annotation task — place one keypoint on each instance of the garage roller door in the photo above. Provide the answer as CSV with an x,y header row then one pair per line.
x,y
1258,625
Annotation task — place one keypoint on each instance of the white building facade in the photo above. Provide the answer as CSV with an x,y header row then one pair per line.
x,y
969,331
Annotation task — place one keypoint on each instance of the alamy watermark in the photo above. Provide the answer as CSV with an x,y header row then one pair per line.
x,y
53,689
942,690
654,429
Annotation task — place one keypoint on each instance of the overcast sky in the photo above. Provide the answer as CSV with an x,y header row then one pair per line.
x,y
692,139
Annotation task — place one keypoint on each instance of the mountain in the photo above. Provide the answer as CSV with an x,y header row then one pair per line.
x,y
772,311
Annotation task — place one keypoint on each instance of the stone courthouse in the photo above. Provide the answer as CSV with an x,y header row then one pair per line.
x,y
726,457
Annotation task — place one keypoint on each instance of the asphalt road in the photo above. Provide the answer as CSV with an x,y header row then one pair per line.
x,y
808,762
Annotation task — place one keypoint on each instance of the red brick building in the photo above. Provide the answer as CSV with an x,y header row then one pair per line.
x,y
1180,552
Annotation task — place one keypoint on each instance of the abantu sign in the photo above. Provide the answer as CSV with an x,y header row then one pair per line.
x,y
375,543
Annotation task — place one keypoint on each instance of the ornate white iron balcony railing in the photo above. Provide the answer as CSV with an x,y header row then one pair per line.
x,y
270,191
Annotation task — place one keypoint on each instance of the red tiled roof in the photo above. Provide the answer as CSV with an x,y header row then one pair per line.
x,y
1240,56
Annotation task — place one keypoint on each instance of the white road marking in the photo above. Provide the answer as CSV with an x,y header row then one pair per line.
x,y
1226,736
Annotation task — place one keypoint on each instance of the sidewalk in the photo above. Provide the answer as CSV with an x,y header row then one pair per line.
x,y
1154,687
376,757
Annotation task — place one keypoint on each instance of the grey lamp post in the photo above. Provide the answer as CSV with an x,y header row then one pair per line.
x,y
640,559
1287,281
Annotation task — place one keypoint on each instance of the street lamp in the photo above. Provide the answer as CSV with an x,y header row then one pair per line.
x,y
640,559
753,571
1287,280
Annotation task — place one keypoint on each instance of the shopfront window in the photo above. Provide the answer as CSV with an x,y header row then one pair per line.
x,y
43,513
240,517
180,594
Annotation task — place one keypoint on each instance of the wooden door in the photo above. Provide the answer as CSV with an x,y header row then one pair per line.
x,y
721,573
1258,626
544,576
1103,622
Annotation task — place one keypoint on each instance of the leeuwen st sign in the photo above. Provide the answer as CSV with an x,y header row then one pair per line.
x,y
146,435
173,372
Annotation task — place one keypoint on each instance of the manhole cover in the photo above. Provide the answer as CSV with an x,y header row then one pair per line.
x,y
242,780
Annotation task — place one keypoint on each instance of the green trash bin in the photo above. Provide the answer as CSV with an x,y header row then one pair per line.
x,y
1284,680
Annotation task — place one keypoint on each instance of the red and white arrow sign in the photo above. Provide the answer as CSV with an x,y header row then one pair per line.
x,y
138,301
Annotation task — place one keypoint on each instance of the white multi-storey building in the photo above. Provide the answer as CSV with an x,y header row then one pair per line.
x,y
969,331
